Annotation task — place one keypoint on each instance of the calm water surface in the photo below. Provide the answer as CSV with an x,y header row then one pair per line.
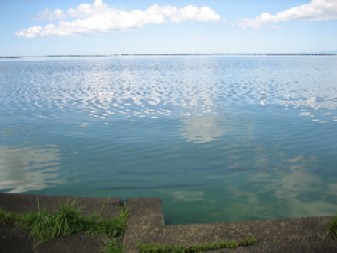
x,y
217,138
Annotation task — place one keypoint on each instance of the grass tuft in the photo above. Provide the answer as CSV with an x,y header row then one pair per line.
x,y
68,220
114,227
332,230
163,248
113,245
5,216
44,226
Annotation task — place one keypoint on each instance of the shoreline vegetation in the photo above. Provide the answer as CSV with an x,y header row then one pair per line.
x,y
44,226
177,54
201,247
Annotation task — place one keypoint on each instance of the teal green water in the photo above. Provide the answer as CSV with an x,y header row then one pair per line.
x,y
216,138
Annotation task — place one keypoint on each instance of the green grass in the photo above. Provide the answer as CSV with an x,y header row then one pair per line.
x,y
5,216
161,248
332,230
68,220
113,246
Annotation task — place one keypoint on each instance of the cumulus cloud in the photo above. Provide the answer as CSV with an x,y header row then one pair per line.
x,y
316,10
49,15
99,17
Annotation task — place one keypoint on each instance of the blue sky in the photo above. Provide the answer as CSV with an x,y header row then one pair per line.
x,y
46,27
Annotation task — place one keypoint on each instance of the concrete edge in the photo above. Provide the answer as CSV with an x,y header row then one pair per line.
x,y
146,224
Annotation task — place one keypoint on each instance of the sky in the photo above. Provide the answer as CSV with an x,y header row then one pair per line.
x,y
63,27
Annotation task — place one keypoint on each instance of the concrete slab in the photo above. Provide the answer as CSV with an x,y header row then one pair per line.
x,y
145,218
146,225
14,239
23,203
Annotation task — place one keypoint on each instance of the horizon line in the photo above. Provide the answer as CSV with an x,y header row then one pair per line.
x,y
171,54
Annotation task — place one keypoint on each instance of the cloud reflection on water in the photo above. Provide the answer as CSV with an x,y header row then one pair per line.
x,y
291,189
201,129
26,169
187,196
257,189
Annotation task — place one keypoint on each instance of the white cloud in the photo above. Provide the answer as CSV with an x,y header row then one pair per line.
x,y
315,10
47,14
99,17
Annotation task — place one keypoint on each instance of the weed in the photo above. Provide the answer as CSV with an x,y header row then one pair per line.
x,y
110,227
46,226
161,248
332,230
5,216
68,220
113,245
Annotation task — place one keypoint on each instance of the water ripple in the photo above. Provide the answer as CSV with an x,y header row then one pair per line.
x,y
155,87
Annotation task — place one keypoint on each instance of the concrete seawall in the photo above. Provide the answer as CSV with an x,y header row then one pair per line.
x,y
146,224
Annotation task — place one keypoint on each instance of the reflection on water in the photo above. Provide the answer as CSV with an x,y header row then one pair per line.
x,y
217,138
187,196
300,189
241,197
28,169
201,128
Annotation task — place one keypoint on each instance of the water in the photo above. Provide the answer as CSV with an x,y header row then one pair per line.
x,y
217,138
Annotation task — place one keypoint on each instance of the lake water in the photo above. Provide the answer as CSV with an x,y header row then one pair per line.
x,y
217,138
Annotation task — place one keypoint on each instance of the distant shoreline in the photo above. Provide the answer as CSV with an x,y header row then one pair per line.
x,y
178,54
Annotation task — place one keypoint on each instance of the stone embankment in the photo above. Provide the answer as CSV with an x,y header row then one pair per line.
x,y
146,225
